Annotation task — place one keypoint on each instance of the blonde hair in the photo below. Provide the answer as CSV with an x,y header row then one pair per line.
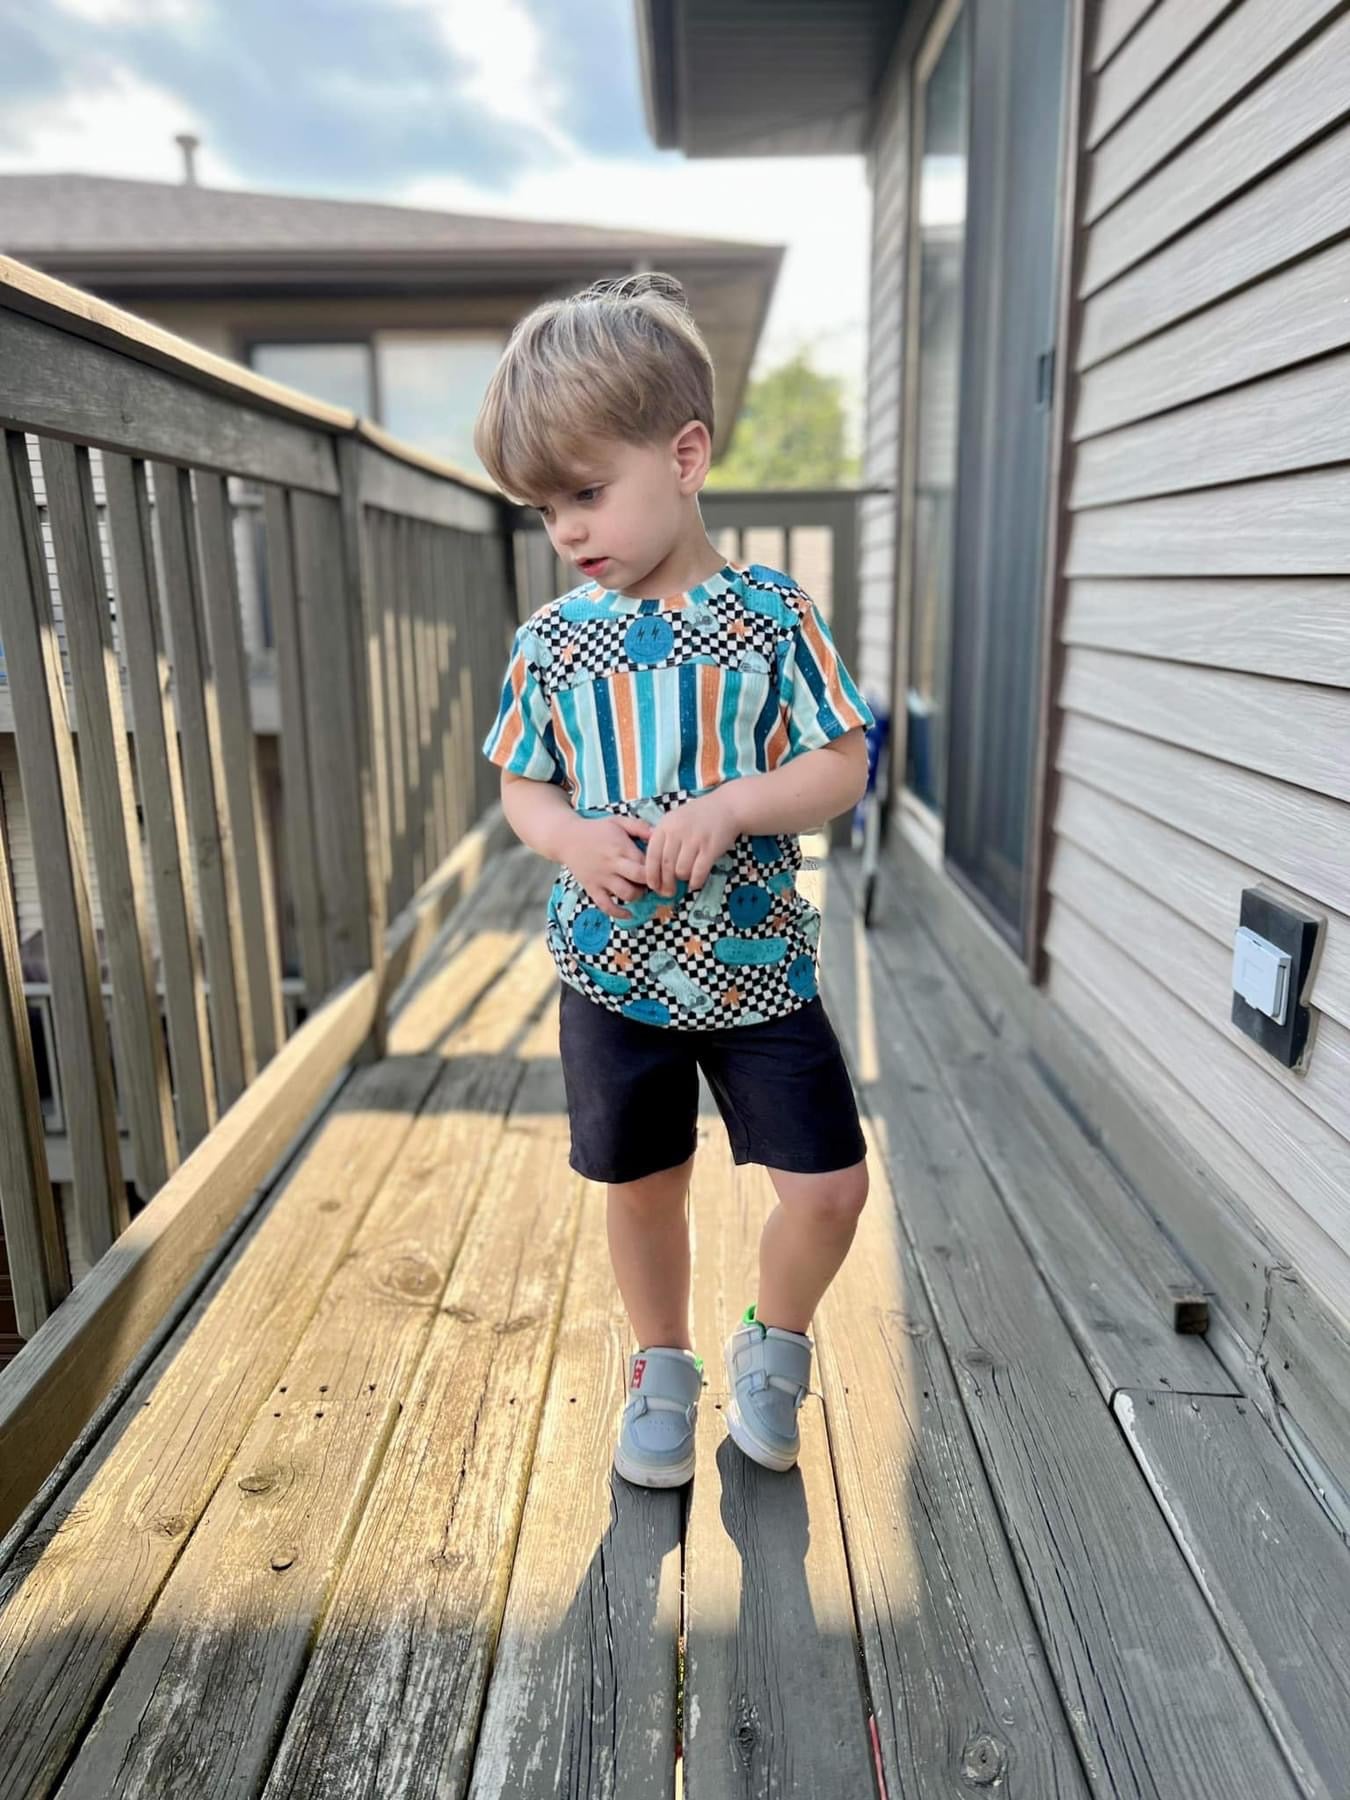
x,y
622,359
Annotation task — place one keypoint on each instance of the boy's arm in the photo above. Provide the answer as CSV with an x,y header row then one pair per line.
x,y
803,793
799,795
540,814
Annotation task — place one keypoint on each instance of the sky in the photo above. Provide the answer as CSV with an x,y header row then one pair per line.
x,y
527,108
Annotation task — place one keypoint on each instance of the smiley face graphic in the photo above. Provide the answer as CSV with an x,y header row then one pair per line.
x,y
748,905
649,639
590,931
801,977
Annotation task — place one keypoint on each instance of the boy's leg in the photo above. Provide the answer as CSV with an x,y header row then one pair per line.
x,y
632,1101
805,1239
649,1247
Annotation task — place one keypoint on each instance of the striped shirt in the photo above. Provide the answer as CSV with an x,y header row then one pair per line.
x,y
634,706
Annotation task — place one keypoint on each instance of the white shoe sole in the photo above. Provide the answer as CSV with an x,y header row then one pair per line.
x,y
653,1478
778,1460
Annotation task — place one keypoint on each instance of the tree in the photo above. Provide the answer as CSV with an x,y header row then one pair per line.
x,y
791,432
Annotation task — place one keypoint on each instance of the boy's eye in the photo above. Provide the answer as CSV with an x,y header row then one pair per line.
x,y
588,493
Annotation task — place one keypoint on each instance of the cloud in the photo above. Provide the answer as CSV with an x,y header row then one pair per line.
x,y
112,123
525,107
128,12
506,72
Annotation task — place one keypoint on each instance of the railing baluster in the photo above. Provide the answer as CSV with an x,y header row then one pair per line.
x,y
161,781
297,790
388,594
239,760
417,600
452,634
407,662
52,795
204,786
368,653
440,795
37,1263
334,726
105,774
477,690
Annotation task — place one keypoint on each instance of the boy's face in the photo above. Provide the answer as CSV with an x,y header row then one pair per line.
x,y
628,506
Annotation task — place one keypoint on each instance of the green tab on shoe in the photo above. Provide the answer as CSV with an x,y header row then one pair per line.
x,y
748,1318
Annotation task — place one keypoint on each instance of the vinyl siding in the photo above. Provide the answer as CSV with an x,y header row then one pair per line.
x,y
889,161
1203,742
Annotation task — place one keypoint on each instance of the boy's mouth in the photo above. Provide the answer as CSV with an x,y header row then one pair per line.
x,y
591,565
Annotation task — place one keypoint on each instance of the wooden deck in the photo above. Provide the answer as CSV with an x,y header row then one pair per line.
x,y
354,1533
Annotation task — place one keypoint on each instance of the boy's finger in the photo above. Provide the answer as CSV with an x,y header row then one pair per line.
x,y
638,828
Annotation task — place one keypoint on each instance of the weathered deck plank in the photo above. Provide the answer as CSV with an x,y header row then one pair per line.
x,y
581,1704
958,1679
205,1688
1115,1278
773,1700
1154,1697
76,1592
1270,1562
390,1702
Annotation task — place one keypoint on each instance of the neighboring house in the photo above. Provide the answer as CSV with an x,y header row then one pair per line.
x,y
1111,245
395,312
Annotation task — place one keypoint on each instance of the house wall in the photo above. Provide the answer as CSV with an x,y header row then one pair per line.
x,y
1200,719
1203,738
722,296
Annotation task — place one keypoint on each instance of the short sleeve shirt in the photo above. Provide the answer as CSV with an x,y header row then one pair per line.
x,y
635,706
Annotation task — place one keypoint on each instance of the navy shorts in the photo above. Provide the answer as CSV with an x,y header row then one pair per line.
x,y
782,1089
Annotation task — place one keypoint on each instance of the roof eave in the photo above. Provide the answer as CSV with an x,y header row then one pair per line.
x,y
656,56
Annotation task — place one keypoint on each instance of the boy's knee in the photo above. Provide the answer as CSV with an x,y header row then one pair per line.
x,y
836,1200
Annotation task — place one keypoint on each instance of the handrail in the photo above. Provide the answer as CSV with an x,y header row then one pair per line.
x,y
390,596
27,290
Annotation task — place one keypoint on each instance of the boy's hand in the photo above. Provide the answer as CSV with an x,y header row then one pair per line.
x,y
603,857
688,841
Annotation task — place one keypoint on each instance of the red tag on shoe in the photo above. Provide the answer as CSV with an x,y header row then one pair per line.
x,y
639,1369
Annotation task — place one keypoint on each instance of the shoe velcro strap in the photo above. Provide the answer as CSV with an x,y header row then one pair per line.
x,y
785,1363
669,1383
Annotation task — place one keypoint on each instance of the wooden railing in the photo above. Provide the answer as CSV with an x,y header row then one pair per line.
x,y
391,592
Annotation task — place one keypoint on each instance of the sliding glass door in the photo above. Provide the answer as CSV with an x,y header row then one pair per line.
x,y
1017,80
979,360
937,249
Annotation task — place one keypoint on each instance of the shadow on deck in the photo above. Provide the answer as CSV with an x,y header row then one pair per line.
x,y
354,1532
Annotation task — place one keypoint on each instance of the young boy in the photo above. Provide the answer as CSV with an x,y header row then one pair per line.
x,y
666,729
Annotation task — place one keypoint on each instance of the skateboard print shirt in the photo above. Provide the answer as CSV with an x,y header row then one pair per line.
x,y
635,706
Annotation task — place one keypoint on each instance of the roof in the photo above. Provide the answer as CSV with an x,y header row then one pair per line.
x,y
49,218
138,242
764,77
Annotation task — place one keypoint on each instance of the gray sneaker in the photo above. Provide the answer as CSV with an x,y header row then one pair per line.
x,y
656,1434
769,1375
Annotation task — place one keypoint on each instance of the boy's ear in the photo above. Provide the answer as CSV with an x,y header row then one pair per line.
x,y
692,450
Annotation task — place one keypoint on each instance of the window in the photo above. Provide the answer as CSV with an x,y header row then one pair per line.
x,y
431,386
423,386
341,374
